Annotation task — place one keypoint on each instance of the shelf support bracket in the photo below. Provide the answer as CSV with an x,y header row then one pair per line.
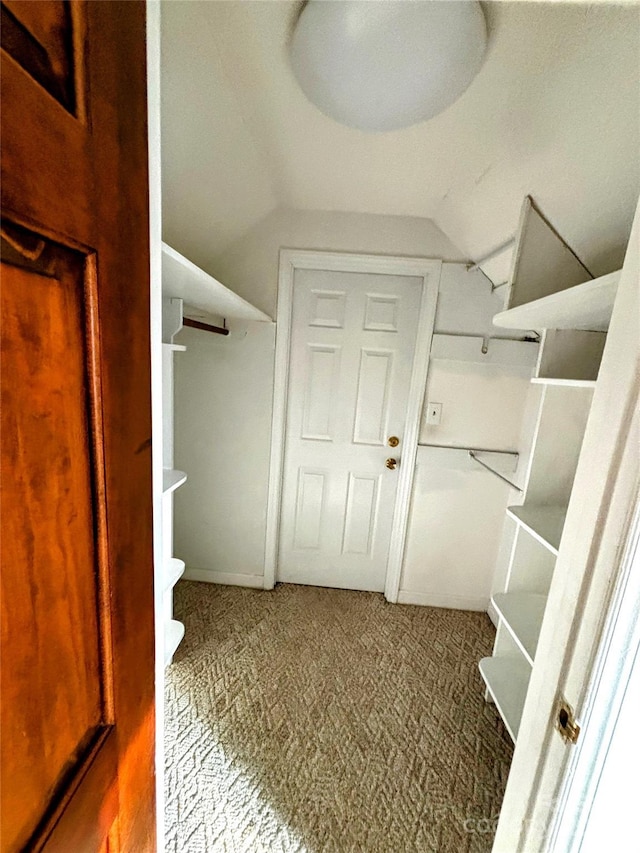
x,y
493,254
494,472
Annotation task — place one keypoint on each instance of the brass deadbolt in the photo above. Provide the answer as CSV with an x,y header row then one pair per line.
x,y
391,463
393,441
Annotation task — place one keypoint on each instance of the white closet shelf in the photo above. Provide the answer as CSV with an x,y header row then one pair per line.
x,y
507,681
565,383
182,279
544,523
173,572
173,634
522,613
174,347
584,306
171,479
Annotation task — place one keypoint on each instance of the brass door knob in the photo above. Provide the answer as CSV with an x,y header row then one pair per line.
x,y
393,441
391,463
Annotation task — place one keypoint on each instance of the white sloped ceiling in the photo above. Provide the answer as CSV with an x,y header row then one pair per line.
x,y
554,113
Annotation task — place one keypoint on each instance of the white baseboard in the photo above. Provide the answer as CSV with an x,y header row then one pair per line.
x,y
225,578
492,613
434,599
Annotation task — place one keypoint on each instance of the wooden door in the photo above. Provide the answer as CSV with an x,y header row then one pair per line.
x,y
77,752
352,345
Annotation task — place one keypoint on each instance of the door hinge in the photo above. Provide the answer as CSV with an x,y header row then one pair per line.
x,y
566,721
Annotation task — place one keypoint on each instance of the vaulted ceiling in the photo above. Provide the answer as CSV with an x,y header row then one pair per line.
x,y
553,113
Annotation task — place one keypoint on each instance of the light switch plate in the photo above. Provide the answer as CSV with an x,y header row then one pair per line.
x,y
434,413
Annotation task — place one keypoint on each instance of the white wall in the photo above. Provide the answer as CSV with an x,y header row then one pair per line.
x,y
457,510
250,265
224,386
223,415
223,394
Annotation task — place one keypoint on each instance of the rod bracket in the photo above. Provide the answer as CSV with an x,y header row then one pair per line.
x,y
494,472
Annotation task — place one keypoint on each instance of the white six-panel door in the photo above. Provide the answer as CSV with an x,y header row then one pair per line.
x,y
353,337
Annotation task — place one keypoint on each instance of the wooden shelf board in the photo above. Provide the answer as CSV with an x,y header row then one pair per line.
x,y
565,383
172,479
182,279
584,306
507,681
173,572
522,613
544,523
173,634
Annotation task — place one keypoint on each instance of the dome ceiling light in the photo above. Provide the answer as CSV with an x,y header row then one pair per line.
x,y
385,65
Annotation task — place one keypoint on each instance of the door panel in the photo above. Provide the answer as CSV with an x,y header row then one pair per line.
x,y
51,627
39,37
86,816
328,308
372,403
361,514
310,504
381,313
321,387
77,750
352,346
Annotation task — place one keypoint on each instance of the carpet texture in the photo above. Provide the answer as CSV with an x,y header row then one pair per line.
x,y
308,719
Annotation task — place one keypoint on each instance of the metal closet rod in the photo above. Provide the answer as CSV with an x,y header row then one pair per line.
x,y
472,267
523,339
205,327
494,472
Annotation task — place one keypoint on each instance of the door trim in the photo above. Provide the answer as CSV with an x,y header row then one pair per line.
x,y
429,273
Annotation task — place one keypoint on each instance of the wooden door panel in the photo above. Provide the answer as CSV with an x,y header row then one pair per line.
x,y
48,161
77,749
30,199
39,37
86,818
56,653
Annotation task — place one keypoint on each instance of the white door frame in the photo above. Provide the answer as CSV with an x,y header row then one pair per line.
x,y
155,303
429,273
617,662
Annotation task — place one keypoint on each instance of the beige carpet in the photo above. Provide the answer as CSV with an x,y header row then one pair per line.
x,y
309,719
